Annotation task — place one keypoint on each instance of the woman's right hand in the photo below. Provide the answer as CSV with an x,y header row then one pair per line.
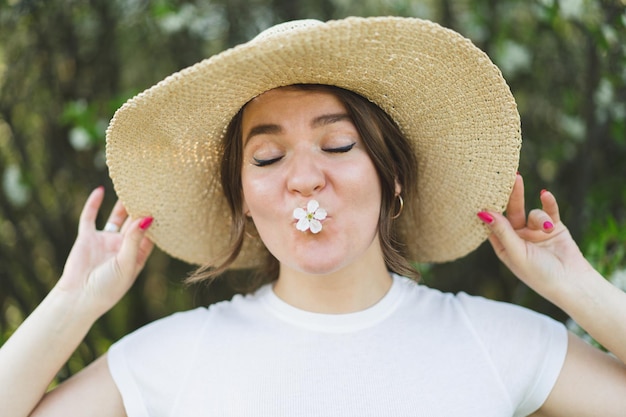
x,y
103,265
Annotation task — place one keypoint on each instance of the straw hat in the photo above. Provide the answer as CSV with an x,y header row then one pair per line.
x,y
444,93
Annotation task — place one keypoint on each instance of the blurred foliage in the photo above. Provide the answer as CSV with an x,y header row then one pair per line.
x,y
66,65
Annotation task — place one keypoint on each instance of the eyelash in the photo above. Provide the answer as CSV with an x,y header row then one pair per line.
x,y
265,162
341,149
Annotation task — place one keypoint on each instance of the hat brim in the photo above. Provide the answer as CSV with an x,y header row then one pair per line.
x,y
448,98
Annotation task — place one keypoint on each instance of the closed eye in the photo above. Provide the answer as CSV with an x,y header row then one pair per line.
x,y
341,149
264,162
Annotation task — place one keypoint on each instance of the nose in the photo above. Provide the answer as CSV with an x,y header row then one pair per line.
x,y
306,175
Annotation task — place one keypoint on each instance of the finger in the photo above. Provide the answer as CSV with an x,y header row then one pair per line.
x,y
550,206
515,210
145,249
496,244
540,220
508,245
116,218
87,221
134,249
125,225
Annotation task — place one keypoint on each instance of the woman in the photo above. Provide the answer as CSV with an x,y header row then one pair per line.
x,y
342,195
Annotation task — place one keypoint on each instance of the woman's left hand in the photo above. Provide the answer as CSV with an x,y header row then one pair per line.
x,y
537,248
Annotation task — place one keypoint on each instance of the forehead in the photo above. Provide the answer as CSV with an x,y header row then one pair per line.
x,y
285,103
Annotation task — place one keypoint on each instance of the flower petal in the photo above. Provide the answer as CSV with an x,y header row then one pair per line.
x,y
320,214
299,213
303,224
312,205
315,226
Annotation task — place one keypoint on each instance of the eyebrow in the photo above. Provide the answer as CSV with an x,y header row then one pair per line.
x,y
323,120
267,129
327,119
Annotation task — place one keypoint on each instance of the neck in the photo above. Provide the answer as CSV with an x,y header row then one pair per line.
x,y
353,288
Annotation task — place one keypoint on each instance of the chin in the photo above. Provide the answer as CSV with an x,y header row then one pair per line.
x,y
325,267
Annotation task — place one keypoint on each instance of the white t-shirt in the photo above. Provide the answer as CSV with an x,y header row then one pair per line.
x,y
417,352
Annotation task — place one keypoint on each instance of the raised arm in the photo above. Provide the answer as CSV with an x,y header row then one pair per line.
x,y
540,251
100,269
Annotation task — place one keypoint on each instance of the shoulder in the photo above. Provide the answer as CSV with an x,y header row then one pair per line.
x,y
178,326
150,365
474,310
502,332
191,324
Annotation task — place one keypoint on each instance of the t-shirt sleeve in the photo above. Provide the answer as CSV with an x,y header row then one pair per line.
x,y
146,363
527,348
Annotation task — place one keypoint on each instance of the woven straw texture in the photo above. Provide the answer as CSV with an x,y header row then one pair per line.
x,y
450,100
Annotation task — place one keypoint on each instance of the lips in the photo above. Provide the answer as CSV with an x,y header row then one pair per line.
x,y
310,219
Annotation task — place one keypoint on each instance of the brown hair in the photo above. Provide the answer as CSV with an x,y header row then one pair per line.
x,y
390,152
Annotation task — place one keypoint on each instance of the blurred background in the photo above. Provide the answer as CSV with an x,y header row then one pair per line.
x,y
66,65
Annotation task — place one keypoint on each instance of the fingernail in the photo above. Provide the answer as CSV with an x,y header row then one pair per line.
x,y
542,191
547,225
485,217
145,223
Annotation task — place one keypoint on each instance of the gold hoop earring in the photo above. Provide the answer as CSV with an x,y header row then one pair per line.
x,y
400,209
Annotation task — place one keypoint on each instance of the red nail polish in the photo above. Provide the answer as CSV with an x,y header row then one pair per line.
x,y
485,217
145,223
547,225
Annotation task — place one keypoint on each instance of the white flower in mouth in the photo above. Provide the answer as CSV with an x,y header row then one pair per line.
x,y
310,218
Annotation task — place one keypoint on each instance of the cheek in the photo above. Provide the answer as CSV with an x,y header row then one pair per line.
x,y
258,192
364,183
361,193
372,194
